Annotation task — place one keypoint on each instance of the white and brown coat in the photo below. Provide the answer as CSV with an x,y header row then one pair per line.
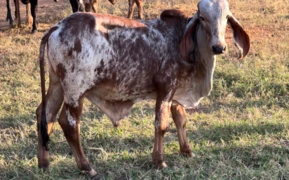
x,y
115,62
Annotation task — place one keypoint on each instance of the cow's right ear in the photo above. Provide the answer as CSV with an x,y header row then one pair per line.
x,y
189,42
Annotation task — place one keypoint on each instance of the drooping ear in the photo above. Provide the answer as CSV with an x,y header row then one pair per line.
x,y
241,38
189,42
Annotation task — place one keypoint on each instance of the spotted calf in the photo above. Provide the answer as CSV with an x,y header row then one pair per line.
x,y
115,62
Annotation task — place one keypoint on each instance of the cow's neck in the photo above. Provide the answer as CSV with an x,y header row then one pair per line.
x,y
209,60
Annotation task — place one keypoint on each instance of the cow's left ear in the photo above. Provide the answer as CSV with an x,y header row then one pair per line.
x,y
241,38
189,42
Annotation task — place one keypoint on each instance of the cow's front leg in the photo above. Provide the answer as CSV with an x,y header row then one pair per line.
x,y
163,104
69,122
179,117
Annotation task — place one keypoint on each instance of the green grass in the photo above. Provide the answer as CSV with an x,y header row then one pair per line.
x,y
241,132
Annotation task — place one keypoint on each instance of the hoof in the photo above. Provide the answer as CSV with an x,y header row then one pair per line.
x,y
187,153
96,177
161,165
44,169
43,164
93,175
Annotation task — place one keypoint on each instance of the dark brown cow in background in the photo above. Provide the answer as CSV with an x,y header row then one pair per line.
x,y
77,5
33,10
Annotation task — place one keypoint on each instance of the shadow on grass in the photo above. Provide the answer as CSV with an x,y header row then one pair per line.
x,y
128,158
222,161
236,131
17,121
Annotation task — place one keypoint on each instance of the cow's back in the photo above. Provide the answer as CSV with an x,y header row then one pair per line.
x,y
116,57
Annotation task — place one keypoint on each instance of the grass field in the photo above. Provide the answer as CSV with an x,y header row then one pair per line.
x,y
240,132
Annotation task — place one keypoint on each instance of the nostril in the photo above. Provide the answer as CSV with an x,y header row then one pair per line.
x,y
217,49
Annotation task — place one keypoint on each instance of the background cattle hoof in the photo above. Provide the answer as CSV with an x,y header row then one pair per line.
x,y
33,31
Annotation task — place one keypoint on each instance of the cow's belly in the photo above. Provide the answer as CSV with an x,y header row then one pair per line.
x,y
115,104
119,94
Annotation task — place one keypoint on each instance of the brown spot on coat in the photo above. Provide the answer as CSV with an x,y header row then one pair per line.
x,y
77,45
61,71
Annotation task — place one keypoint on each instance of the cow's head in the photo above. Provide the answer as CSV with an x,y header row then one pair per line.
x,y
212,18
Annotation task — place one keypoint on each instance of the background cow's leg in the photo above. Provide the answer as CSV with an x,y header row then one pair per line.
x,y
131,5
34,4
69,122
9,16
94,4
87,5
139,4
179,117
75,5
28,14
54,99
17,13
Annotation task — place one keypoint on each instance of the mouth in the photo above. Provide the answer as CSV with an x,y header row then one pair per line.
x,y
218,53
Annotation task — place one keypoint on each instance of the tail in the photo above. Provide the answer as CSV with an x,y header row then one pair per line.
x,y
43,124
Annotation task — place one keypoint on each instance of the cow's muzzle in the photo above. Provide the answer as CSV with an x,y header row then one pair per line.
x,y
219,49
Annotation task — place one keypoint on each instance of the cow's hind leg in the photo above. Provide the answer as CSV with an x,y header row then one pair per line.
x,y
179,117
69,122
54,99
